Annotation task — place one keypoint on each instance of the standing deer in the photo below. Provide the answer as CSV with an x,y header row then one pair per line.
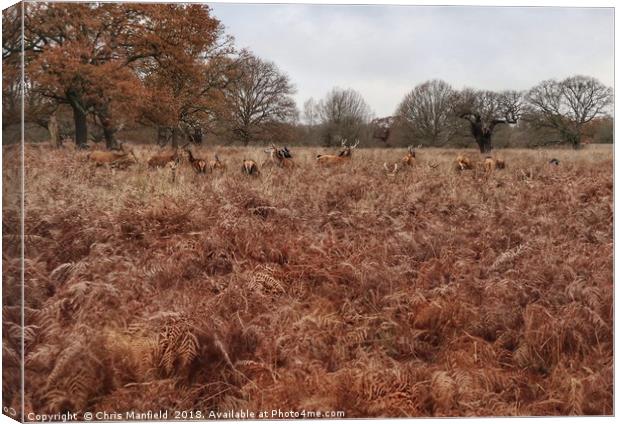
x,y
490,164
199,165
216,164
172,166
250,167
409,158
280,157
342,157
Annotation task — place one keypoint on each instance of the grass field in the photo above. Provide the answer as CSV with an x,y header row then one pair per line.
x,y
430,293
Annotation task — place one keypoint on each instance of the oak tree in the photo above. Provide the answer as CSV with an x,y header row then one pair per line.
x,y
568,106
484,110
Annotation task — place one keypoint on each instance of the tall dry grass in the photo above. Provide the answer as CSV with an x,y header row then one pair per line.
x,y
430,293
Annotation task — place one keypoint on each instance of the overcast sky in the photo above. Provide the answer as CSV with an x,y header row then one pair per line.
x,y
384,51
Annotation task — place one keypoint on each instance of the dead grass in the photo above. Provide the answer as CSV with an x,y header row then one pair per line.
x,y
430,293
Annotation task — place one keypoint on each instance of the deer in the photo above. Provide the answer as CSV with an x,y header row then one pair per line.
x,y
172,166
407,161
463,162
342,157
280,157
250,167
115,158
199,165
161,159
216,164
490,164
409,158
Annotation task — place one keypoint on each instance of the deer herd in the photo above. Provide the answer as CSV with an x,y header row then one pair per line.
x,y
277,157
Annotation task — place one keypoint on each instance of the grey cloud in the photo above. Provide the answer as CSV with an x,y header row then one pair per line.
x,y
384,51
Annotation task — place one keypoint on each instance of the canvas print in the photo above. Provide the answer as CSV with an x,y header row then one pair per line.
x,y
295,211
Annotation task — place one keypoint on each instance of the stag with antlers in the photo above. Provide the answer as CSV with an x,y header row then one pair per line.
x,y
279,157
409,158
342,157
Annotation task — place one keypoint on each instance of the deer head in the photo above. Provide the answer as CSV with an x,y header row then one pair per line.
x,y
346,148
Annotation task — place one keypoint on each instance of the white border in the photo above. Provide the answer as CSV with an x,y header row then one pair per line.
x,y
533,3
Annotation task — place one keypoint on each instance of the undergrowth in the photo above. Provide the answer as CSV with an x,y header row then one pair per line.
x,y
428,293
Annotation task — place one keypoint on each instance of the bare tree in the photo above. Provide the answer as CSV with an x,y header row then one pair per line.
x,y
568,105
311,112
484,110
426,112
344,115
259,97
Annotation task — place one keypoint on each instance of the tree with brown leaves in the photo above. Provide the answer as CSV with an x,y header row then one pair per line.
x,y
191,66
80,55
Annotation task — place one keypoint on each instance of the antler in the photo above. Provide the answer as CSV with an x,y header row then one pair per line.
x,y
356,143
392,171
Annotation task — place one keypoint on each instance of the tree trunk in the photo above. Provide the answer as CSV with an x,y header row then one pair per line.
x,y
576,139
244,136
109,130
81,127
481,133
197,138
109,134
162,136
175,137
484,143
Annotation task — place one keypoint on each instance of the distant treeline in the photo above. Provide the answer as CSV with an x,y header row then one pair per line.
x,y
168,74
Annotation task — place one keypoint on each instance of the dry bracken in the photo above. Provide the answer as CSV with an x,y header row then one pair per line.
x,y
433,293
